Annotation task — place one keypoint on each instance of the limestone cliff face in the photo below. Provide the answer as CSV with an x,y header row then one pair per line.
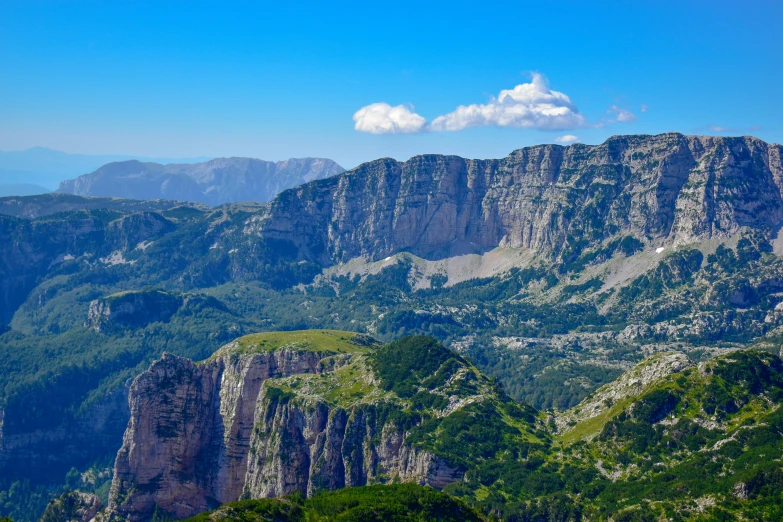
x,y
187,441
668,189
316,448
204,434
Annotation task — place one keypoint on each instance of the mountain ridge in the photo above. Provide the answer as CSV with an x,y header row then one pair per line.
x,y
548,198
214,182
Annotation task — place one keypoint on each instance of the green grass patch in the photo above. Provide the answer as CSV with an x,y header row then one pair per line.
x,y
320,341
592,426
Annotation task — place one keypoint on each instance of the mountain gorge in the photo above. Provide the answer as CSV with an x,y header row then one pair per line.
x,y
556,271
214,182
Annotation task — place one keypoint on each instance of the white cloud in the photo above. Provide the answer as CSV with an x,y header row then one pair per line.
x,y
528,105
531,105
643,108
567,139
382,118
621,115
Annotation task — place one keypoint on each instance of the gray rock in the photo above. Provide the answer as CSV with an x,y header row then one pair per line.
x,y
665,189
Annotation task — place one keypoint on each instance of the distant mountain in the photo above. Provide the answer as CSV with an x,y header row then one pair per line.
x,y
48,167
22,189
215,182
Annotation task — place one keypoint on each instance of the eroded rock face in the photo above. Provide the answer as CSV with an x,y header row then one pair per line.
x,y
671,188
187,441
202,435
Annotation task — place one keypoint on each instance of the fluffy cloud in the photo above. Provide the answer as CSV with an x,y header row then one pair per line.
x,y
621,115
567,139
528,105
382,118
531,105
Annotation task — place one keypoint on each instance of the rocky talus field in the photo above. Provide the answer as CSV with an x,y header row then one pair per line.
x,y
565,285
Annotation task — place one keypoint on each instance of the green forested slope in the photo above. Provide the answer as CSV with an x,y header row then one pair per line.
x,y
399,503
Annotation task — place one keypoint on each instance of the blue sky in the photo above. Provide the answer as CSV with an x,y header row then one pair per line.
x,y
268,80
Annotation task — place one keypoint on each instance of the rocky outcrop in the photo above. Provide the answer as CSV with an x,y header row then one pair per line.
x,y
664,189
187,441
138,308
204,434
132,310
73,506
630,384
215,182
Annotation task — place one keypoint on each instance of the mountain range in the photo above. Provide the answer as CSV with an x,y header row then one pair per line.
x,y
215,182
21,189
48,167
547,277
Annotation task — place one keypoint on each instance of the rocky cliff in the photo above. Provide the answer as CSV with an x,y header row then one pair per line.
x,y
665,189
273,414
316,411
132,309
215,182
